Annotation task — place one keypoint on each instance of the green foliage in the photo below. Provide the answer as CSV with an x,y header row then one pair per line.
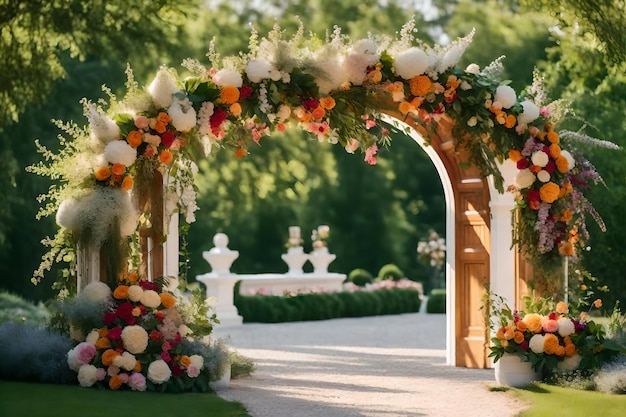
x,y
436,303
360,277
304,307
390,271
14,308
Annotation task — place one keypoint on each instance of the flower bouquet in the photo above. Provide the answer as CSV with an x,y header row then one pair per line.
x,y
141,341
549,336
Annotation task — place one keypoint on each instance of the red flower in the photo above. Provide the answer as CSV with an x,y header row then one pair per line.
x,y
522,164
159,315
109,317
177,370
217,118
125,311
148,285
166,356
167,138
550,167
115,333
156,335
245,92
310,104
533,195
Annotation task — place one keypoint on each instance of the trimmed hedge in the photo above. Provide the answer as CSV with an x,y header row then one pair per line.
x,y
436,301
390,271
360,277
306,307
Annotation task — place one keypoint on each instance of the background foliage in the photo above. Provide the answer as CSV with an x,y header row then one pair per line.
x,y
376,214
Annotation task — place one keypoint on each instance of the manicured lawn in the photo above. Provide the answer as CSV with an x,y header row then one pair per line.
x,y
19,399
552,401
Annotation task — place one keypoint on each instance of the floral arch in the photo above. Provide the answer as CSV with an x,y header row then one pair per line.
x,y
124,176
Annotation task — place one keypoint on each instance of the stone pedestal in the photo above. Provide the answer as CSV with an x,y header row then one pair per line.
x,y
295,258
320,259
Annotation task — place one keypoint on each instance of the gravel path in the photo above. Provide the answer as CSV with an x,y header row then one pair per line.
x,y
384,366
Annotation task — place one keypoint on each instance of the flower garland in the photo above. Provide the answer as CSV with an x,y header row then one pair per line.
x,y
335,91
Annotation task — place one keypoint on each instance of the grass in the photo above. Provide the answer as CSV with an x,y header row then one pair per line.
x,y
550,401
20,399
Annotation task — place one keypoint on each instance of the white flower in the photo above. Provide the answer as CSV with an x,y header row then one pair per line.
x,y
330,65
524,179
228,77
506,96
67,214
126,361
543,176
566,326
197,361
72,360
184,330
283,113
87,375
183,115
134,293
135,339
96,292
540,158
570,363
472,121
571,163
258,69
472,69
355,68
536,343
159,372
103,129
163,88
150,299
120,152
92,337
529,113
366,47
411,63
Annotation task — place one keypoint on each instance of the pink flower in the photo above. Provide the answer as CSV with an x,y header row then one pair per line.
x,y
124,377
192,371
544,111
370,153
115,333
85,352
137,382
370,123
101,373
550,326
165,355
142,122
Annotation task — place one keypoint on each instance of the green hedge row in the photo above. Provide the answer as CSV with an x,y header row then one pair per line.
x,y
436,303
302,307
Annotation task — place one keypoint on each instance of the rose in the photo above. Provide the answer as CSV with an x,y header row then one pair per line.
x,y
135,339
192,371
87,375
137,382
197,361
159,372
524,178
540,158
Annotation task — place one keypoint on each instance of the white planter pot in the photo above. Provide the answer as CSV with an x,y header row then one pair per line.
x,y
511,371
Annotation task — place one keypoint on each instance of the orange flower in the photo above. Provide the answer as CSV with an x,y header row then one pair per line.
x,y
134,138
553,137
127,183
521,326
164,118
560,350
327,103
566,249
167,300
573,235
133,277
509,333
500,333
555,151
121,292
103,332
118,169
115,383
561,164
235,109
421,86
108,356
160,127
318,113
240,153
570,349
185,361
103,343
518,337
535,168
229,94
165,157
561,307
103,173
404,107
515,155
533,322
511,120
549,192
565,190
137,367
597,303
550,343
375,76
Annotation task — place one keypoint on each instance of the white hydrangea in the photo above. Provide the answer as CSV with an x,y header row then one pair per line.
x,y
524,179
72,361
543,176
529,113
329,74
135,339
506,96
87,375
150,299
570,363
411,63
536,343
566,326
67,214
163,88
228,77
120,152
540,158
159,372
183,115
259,69
571,162
96,292
134,293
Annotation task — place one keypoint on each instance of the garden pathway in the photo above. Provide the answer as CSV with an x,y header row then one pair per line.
x,y
384,366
